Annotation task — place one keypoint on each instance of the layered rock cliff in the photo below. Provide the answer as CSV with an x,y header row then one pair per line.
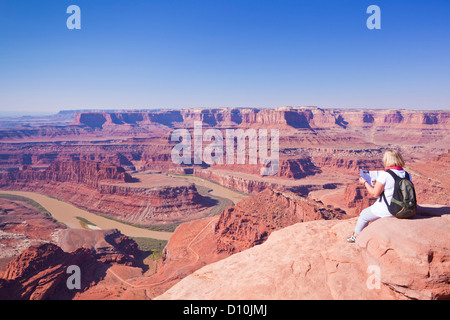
x,y
432,179
309,119
249,223
88,173
107,246
22,225
253,219
357,198
108,189
295,117
313,141
40,273
288,168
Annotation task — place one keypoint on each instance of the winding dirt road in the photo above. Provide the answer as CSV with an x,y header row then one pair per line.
x,y
171,274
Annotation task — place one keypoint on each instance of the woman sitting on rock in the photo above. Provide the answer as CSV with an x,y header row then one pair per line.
x,y
392,160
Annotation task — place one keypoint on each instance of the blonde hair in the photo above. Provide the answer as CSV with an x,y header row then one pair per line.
x,y
393,158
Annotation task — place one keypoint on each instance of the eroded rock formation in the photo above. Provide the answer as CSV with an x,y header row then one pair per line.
x,y
107,246
312,260
252,220
40,273
295,117
88,173
108,189
21,225
270,253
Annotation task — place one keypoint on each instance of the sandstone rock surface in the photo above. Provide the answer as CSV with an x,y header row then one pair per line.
x,y
413,255
253,219
107,246
312,260
40,273
22,225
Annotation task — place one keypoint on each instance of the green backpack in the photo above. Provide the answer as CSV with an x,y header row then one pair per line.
x,y
403,204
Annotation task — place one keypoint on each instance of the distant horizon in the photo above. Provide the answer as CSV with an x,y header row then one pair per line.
x,y
231,53
18,114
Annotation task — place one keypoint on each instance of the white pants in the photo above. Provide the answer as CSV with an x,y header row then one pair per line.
x,y
366,216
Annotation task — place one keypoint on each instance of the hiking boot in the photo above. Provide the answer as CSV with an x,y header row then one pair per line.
x,y
352,239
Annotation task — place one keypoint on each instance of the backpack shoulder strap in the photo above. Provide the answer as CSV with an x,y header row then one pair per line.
x,y
407,176
382,196
396,177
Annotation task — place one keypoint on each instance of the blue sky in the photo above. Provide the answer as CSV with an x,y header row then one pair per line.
x,y
223,53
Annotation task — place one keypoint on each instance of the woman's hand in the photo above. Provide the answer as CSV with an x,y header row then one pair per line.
x,y
373,191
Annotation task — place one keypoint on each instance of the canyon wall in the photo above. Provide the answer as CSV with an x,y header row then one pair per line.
x,y
247,224
143,122
357,198
295,117
253,219
312,140
21,226
40,272
82,172
293,168
249,184
108,189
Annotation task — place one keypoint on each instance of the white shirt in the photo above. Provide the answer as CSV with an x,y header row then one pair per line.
x,y
380,208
